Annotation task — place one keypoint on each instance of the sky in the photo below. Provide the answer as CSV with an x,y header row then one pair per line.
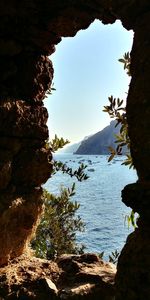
x,y
86,73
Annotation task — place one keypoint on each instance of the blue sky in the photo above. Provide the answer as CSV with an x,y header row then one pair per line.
x,y
87,72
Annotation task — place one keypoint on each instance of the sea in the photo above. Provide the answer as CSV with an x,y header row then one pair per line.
x,y
99,197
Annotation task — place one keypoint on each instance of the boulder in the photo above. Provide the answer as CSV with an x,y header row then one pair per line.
x,y
69,277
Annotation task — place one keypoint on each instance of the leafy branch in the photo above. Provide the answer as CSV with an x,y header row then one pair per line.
x,y
117,110
56,143
113,257
126,60
79,173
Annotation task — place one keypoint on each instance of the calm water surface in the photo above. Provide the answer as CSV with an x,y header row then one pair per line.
x,y
100,200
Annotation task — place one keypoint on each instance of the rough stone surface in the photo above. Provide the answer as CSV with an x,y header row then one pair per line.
x,y
138,108
18,219
24,120
31,278
137,195
86,277
25,164
29,31
133,276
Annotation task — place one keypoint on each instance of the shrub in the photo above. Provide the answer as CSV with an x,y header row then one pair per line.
x,y
56,233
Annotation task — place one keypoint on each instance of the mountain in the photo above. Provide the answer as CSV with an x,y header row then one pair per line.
x,y
99,142
70,148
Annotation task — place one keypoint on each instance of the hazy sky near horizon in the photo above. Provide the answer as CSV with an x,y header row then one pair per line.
x,y
87,72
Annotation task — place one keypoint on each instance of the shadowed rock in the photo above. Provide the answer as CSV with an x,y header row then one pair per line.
x,y
29,31
31,278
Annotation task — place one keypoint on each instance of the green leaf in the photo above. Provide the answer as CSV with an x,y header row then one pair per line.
x,y
121,60
111,157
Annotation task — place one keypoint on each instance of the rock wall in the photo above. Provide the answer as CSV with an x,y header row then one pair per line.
x,y
25,163
29,31
133,277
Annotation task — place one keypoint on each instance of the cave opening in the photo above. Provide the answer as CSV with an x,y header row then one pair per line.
x,y
86,72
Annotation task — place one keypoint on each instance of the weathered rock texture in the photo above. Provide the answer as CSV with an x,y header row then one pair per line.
x,y
29,31
70,277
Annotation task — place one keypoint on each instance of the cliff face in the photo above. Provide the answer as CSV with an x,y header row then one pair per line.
x,y
29,31
99,142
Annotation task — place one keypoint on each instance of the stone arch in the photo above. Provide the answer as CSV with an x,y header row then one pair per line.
x,y
29,32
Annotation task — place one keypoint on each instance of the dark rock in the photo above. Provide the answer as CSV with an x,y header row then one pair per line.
x,y
9,47
5,168
32,167
47,287
19,119
68,263
29,31
88,258
133,266
137,195
5,174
